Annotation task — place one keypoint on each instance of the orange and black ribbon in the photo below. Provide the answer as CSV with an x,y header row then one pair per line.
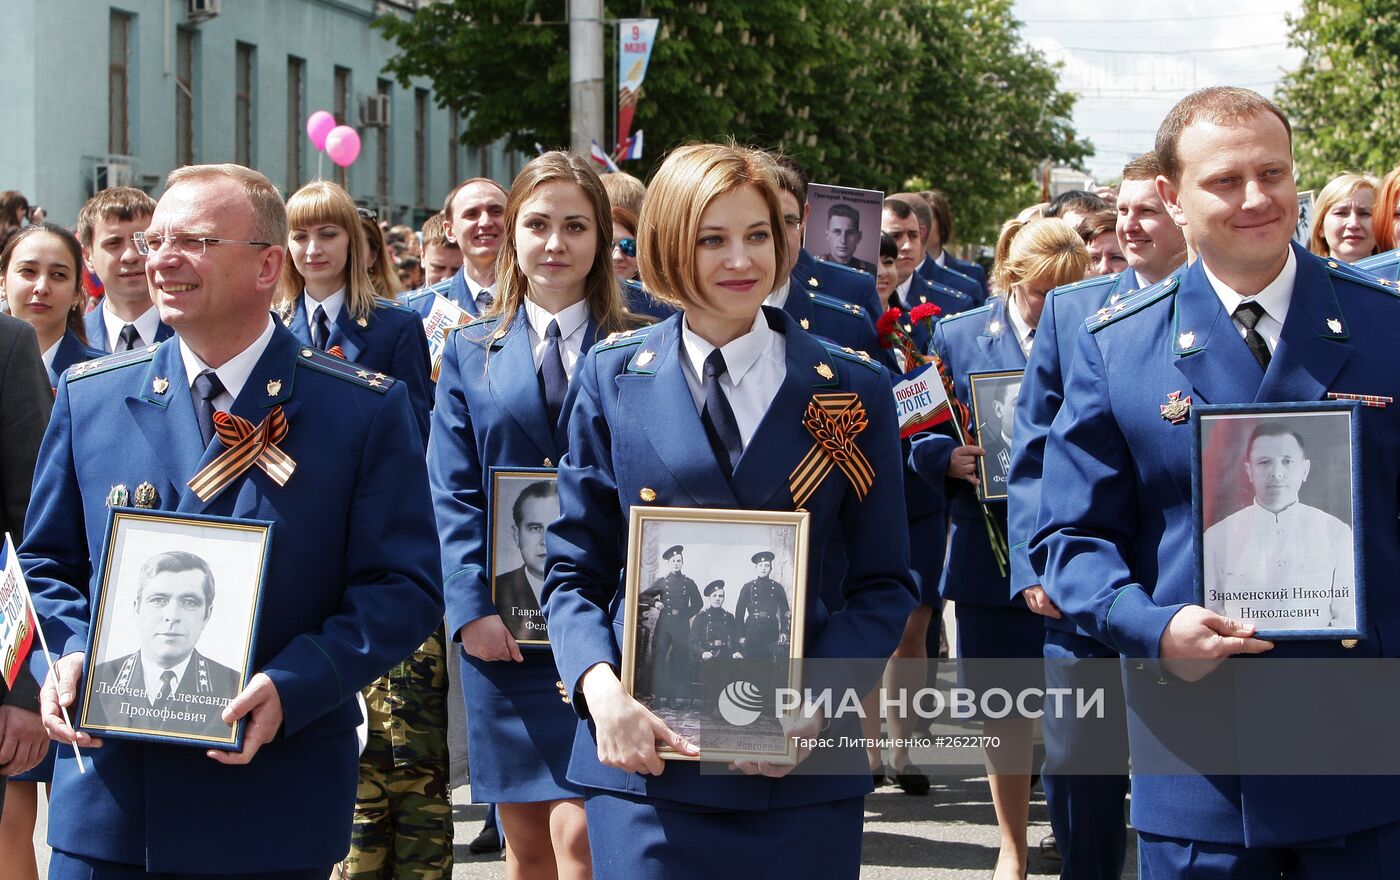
x,y
246,445
833,420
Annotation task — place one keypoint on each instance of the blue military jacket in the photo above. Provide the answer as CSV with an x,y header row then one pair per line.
x,y
388,340
97,330
1114,538
978,341
639,302
351,588
949,278
70,351
1384,266
1042,392
635,437
842,282
489,412
948,299
972,270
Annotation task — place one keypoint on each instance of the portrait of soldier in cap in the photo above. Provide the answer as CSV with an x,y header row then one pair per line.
x,y
714,633
680,601
764,619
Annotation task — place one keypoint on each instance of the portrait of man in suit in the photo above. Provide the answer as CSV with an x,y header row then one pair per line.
x,y
517,592
166,685
995,398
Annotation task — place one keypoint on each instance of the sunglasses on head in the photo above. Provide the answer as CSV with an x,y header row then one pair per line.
x,y
628,246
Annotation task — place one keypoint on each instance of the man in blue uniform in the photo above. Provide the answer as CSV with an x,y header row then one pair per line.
x,y
1086,811
351,585
924,263
900,221
474,213
940,233
126,318
1255,319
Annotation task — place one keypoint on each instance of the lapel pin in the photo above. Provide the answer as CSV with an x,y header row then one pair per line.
x,y
814,282
1334,325
1113,300
548,463
362,321
806,325
274,387
146,496
994,328
160,384
1187,339
648,495
922,298
117,496
1348,643
306,352
1177,408
287,320
825,371
644,358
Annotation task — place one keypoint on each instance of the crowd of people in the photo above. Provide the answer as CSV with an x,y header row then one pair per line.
x,y
660,345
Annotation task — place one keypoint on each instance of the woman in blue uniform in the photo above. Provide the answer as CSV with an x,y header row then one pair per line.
x,y
326,297
40,272
1032,258
706,409
500,398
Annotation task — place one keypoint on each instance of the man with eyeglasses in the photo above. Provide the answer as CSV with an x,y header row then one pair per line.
x,y
352,584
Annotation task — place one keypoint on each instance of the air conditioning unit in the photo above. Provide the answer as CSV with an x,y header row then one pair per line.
x,y
107,173
374,111
200,10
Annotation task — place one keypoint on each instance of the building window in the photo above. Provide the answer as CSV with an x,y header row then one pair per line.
x,y
454,149
119,86
243,105
386,88
184,97
296,71
342,115
420,148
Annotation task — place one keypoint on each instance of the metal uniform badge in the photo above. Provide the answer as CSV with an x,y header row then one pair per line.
x,y
647,494
825,371
160,384
1187,339
1177,408
644,358
274,387
814,282
806,325
146,496
117,496
994,328
363,322
1334,325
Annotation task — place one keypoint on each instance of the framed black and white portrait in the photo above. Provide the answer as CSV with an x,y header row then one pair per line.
x,y
993,416
524,501
174,628
1277,504
714,616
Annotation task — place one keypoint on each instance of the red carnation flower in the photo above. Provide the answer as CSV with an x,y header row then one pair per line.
x,y
924,312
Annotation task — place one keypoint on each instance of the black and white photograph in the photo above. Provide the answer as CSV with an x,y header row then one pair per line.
x,y
993,415
1303,230
177,607
843,225
1277,501
715,609
523,504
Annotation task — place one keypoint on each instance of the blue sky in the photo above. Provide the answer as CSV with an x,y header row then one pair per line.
x,y
1129,62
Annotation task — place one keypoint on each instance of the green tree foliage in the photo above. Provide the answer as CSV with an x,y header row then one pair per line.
x,y
866,93
1344,98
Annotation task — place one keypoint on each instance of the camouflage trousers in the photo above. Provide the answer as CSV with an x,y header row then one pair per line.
x,y
403,808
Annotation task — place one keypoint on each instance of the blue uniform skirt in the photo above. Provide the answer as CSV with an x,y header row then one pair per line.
x,y
519,731
991,632
637,839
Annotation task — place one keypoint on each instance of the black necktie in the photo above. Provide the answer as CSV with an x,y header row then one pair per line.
x,y
206,387
718,416
320,328
553,379
1248,314
128,339
167,685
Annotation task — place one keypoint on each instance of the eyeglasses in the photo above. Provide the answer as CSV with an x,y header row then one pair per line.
x,y
628,246
148,243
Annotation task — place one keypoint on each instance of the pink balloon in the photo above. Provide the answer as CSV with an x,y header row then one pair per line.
x,y
343,145
318,125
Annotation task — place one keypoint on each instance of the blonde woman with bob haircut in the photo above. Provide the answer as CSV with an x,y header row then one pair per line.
x,y
326,298
1032,257
501,405
706,410
1342,226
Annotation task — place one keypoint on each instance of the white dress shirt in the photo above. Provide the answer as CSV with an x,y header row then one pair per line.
x,y
477,290
146,325
234,373
901,291
50,353
1274,298
332,304
152,671
1019,326
778,298
755,365
572,321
